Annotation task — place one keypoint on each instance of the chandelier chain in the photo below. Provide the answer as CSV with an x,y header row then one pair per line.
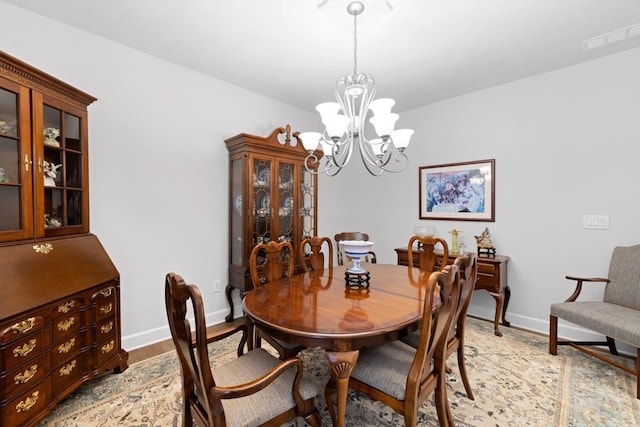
x,y
355,45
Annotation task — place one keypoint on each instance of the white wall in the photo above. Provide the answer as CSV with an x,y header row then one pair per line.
x,y
565,144
158,162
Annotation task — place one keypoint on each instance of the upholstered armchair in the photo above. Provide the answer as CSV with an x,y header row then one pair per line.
x,y
617,316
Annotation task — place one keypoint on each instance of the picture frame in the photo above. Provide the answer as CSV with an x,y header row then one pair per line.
x,y
462,191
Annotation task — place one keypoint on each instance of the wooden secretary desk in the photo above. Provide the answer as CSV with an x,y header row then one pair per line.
x,y
59,290
492,277
272,196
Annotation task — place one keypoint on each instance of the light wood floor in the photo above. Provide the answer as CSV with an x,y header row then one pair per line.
x,y
161,347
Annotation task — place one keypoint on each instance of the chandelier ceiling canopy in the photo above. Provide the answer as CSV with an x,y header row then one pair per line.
x,y
345,120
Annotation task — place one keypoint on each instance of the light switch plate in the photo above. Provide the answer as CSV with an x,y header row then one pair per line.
x,y
595,222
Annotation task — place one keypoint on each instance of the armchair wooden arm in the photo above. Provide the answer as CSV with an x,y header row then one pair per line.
x,y
578,289
241,390
224,333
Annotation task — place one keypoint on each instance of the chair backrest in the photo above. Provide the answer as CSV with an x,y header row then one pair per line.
x,y
468,271
197,378
311,255
270,261
426,249
624,277
352,235
435,326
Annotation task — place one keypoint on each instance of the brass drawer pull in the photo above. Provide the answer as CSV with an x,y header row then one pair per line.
x,y
106,328
66,324
108,347
66,370
106,308
25,349
28,403
106,292
66,307
24,326
66,347
45,248
26,376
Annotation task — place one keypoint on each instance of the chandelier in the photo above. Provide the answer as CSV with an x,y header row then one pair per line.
x,y
345,120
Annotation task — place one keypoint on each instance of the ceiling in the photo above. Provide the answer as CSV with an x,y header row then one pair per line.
x,y
423,51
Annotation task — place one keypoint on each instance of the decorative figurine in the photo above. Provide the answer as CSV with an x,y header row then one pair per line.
x,y
50,136
3,175
454,240
485,244
50,172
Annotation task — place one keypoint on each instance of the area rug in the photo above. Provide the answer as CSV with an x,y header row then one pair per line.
x,y
516,382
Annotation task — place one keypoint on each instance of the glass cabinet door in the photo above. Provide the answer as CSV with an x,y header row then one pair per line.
x,y
63,199
286,202
262,228
16,221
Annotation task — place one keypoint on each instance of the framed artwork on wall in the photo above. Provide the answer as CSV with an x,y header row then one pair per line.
x,y
458,191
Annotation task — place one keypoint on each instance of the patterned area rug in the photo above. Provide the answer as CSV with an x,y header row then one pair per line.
x,y
516,382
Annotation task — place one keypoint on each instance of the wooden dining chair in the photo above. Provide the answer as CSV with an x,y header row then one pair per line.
x,y
311,255
268,262
353,235
467,269
254,389
415,373
426,252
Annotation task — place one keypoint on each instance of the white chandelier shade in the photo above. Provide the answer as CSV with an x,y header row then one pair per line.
x,y
345,121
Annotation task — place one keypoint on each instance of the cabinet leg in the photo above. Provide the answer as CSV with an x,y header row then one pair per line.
x,y
498,297
507,297
228,290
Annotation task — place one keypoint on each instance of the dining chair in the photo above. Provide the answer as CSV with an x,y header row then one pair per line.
x,y
468,270
415,373
253,389
353,235
268,262
426,252
311,255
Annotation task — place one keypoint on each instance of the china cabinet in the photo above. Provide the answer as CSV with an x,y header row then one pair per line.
x,y
272,196
60,292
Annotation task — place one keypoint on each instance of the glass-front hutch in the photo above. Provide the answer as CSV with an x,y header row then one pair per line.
x,y
43,162
272,197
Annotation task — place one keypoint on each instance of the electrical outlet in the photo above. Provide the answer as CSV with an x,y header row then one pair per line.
x,y
216,286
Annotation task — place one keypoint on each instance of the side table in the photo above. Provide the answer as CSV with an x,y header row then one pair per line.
x,y
492,277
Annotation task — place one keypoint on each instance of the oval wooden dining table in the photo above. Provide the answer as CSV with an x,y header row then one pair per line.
x,y
317,309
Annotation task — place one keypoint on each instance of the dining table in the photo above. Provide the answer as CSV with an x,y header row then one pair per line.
x,y
321,308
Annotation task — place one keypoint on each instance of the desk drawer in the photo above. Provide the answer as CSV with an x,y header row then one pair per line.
x,y
19,380
21,351
27,406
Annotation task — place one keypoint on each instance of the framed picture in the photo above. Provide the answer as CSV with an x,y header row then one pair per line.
x,y
458,191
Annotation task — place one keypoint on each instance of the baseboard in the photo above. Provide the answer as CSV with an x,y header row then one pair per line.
x,y
152,336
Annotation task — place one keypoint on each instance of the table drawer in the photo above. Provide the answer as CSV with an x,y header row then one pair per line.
x,y
490,283
486,268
